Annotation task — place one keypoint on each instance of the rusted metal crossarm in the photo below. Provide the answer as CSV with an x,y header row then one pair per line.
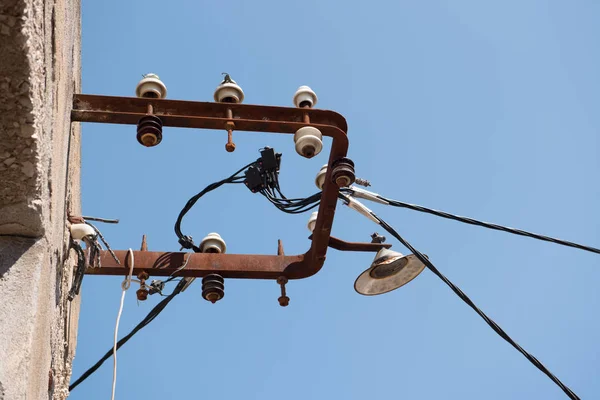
x,y
207,115
243,266
189,114
342,245
156,263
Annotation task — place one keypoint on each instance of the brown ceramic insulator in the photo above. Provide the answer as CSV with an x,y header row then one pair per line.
x,y
149,131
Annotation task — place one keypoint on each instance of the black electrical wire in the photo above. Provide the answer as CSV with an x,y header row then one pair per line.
x,y
79,271
293,206
186,241
273,193
470,303
149,318
488,225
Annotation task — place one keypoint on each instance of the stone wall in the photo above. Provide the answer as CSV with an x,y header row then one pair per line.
x,y
39,184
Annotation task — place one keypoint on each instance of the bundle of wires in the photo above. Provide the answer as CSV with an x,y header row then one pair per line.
x,y
185,240
260,176
289,206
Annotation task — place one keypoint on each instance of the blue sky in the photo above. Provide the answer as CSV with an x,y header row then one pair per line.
x,y
486,110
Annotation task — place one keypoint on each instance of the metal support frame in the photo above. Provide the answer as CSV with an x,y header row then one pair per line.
x,y
253,118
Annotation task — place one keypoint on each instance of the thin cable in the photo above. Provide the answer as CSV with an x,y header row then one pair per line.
x,y
149,318
174,273
104,241
188,206
124,286
488,225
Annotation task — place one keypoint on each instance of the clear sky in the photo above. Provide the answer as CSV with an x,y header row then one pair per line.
x,y
486,110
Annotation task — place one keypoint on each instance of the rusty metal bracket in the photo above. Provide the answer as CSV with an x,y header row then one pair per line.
x,y
251,118
342,245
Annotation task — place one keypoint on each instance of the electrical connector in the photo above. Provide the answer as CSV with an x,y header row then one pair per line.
x,y
263,173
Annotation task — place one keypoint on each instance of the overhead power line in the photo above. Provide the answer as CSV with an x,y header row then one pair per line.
x,y
538,364
149,318
365,194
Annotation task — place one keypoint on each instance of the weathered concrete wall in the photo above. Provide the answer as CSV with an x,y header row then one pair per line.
x,y
39,72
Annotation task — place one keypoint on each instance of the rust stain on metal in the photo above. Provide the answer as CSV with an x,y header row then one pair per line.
x,y
252,118
342,245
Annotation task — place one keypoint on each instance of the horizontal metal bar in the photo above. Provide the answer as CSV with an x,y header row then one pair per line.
x,y
128,110
157,263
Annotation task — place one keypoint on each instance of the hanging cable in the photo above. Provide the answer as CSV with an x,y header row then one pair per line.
x,y
79,271
104,241
467,300
149,318
365,194
124,286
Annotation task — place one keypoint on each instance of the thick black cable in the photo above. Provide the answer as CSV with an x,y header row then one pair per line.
x,y
149,318
470,303
293,206
488,225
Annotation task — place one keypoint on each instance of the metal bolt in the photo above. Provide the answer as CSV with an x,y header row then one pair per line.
x,y
142,294
230,146
230,126
284,301
377,238
362,182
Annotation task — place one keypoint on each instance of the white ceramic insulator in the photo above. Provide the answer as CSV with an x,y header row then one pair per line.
x,y
79,231
320,178
305,93
232,90
308,141
312,221
151,84
213,243
367,195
